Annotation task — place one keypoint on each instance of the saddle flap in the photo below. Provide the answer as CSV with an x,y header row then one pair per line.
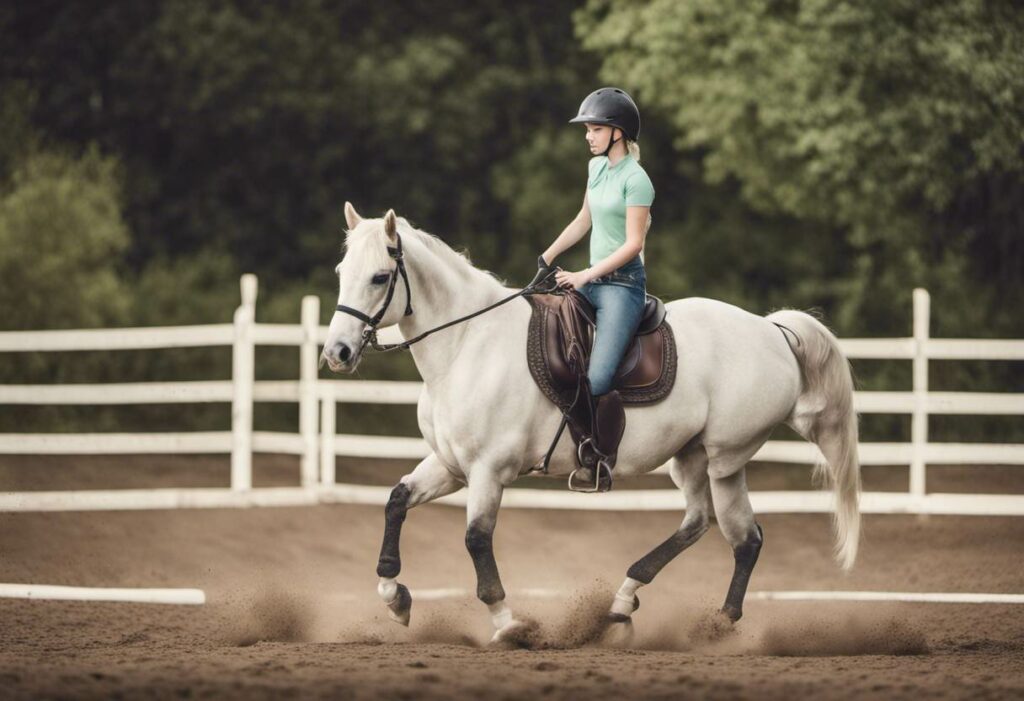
x,y
643,363
630,359
560,340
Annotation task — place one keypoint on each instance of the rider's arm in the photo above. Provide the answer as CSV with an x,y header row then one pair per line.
x,y
637,224
571,235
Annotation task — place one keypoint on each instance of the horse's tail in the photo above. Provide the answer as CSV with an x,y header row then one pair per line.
x,y
824,415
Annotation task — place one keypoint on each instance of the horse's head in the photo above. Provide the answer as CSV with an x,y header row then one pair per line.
x,y
372,293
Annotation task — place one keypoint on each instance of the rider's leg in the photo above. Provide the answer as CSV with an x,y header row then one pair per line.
x,y
609,425
619,309
582,411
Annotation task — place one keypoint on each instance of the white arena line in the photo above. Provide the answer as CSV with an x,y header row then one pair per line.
x,y
913,597
138,596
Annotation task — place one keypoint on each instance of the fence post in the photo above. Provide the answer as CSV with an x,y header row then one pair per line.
x,y
308,402
243,375
327,428
919,419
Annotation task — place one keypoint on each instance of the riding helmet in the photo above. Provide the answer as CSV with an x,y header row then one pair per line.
x,y
613,107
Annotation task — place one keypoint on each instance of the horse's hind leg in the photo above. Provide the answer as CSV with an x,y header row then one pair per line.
x,y
428,481
689,472
736,521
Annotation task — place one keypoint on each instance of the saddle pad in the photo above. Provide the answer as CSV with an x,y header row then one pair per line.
x,y
538,347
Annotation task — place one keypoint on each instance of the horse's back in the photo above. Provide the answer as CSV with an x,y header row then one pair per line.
x,y
740,359
723,326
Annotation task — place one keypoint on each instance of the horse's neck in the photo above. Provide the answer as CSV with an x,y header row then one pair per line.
x,y
441,292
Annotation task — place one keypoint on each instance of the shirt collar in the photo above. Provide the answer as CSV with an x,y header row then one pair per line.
x,y
621,161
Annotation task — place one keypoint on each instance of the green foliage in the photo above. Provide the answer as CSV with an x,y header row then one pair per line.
x,y
542,187
839,112
884,122
250,125
61,238
194,289
17,138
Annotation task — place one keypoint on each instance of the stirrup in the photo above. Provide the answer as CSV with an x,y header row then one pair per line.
x,y
602,469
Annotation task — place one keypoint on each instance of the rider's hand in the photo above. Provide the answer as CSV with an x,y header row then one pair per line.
x,y
573,280
543,271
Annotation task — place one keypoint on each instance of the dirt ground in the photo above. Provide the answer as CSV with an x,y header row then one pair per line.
x,y
292,609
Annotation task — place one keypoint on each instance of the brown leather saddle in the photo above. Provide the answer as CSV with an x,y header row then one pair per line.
x,y
560,337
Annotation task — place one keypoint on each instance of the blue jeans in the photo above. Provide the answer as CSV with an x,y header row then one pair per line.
x,y
619,300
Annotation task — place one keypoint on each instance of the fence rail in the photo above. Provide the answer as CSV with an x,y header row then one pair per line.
x,y
317,442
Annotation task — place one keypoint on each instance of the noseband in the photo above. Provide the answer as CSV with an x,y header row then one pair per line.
x,y
370,332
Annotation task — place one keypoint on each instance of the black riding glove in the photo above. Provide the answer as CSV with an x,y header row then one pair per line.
x,y
545,277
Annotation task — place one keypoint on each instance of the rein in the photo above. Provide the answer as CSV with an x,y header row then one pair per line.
x,y
370,332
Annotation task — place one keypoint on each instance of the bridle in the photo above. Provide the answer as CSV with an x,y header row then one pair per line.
x,y
370,332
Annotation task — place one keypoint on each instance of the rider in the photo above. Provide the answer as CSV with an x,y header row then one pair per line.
x,y
616,209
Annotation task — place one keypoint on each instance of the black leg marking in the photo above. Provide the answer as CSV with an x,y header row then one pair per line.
x,y
647,568
390,563
746,557
488,583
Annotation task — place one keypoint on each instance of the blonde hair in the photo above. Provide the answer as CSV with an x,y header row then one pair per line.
x,y
633,149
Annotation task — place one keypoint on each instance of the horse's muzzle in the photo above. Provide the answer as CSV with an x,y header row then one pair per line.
x,y
340,357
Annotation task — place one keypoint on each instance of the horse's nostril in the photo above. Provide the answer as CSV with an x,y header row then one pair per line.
x,y
344,352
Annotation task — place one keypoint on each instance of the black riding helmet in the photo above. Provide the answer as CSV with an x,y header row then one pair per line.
x,y
613,107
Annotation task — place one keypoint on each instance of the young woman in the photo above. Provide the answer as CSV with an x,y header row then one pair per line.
x,y
616,210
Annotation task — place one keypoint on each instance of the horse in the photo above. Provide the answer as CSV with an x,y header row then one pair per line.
x,y
487,423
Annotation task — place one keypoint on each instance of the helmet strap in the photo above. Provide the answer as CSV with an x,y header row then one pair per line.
x,y
611,142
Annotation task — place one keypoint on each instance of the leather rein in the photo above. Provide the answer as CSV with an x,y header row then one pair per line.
x,y
370,332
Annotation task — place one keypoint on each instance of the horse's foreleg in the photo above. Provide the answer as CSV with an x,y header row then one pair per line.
x,y
428,481
689,472
736,521
481,516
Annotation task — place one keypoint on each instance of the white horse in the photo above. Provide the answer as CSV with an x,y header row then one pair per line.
x,y
487,422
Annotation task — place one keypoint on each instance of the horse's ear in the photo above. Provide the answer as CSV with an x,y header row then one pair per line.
x,y
352,217
390,224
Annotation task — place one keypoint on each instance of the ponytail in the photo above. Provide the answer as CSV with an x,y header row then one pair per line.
x,y
633,148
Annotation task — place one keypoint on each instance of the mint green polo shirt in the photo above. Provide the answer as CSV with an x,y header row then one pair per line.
x,y
610,189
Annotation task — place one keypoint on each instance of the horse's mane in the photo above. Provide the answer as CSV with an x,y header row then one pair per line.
x,y
459,259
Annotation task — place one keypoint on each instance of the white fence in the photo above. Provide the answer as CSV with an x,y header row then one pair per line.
x,y
318,443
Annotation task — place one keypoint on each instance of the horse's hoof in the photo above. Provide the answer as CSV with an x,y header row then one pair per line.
x,y
732,613
400,608
515,634
619,632
622,606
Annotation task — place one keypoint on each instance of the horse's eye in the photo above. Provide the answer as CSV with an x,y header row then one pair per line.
x,y
380,278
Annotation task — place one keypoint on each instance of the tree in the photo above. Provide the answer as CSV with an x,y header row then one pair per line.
x,y
61,238
896,124
251,124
